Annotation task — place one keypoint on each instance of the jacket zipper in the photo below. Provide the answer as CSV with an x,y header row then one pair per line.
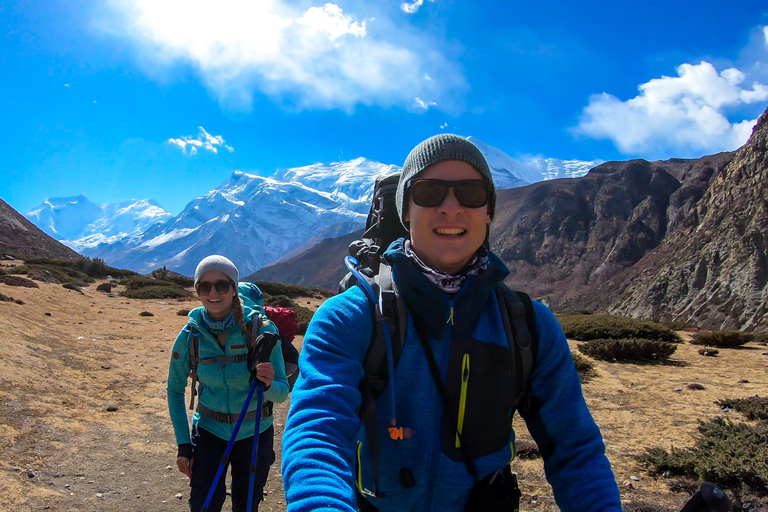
x,y
463,398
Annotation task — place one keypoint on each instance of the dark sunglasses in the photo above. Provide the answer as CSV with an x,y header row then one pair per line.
x,y
204,287
430,193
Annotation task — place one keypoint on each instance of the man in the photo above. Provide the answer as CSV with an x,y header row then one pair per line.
x,y
446,277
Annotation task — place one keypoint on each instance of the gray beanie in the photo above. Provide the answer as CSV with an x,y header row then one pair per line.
x,y
216,262
441,148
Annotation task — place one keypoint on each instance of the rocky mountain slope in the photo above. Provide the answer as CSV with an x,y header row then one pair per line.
x,y
20,237
713,269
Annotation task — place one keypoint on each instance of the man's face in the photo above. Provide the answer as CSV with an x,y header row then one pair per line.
x,y
446,237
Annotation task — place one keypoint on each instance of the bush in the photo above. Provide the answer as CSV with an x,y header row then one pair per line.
x,y
163,274
81,271
592,327
754,407
291,290
304,316
162,291
18,281
584,366
722,339
725,454
280,301
72,286
627,350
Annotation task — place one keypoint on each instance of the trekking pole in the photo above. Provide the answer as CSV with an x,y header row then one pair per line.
x,y
710,498
264,345
251,483
225,458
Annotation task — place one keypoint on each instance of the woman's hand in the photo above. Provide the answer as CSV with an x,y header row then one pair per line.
x,y
265,373
185,465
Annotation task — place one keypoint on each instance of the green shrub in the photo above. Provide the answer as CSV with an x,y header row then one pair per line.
x,y
722,339
163,274
161,291
304,316
279,301
81,271
584,366
290,290
679,325
725,454
592,327
627,350
138,282
754,407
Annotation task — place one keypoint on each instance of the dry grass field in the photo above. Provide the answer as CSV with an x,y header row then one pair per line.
x,y
84,423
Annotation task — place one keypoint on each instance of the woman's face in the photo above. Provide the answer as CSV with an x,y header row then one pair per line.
x,y
217,303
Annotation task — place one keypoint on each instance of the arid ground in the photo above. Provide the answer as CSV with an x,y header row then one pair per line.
x,y
84,422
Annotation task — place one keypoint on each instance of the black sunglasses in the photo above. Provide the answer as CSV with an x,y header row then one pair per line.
x,y
430,193
204,287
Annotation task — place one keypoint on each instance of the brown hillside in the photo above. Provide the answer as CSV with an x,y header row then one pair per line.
x,y
713,270
20,237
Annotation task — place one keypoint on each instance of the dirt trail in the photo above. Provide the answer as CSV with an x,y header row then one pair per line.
x,y
84,422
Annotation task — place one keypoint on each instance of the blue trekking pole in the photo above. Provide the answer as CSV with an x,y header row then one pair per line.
x,y
225,458
264,346
251,483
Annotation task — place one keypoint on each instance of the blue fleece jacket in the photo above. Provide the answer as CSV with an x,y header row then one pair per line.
x,y
324,440
221,388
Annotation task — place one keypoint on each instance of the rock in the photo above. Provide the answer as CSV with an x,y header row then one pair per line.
x,y
695,385
99,495
743,381
104,287
146,313
47,313
30,473
634,478
111,295
111,408
106,366
182,312
179,496
678,389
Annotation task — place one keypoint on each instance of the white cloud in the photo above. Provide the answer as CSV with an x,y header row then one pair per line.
x,y
413,7
420,105
204,140
676,116
332,21
320,57
444,126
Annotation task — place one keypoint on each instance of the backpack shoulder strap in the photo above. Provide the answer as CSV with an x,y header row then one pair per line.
x,y
520,326
390,312
193,339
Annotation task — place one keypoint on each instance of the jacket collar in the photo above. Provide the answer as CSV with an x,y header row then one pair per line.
x,y
430,306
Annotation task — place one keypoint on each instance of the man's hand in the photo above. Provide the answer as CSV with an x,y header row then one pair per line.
x,y
185,465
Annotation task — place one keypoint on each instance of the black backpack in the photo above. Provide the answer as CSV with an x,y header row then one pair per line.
x,y
388,310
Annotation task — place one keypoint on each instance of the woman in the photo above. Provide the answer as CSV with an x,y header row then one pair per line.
x,y
223,374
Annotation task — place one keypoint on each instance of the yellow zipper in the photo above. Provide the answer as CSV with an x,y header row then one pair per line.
x,y
359,468
463,399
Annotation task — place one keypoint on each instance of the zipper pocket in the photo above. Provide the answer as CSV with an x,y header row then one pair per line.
x,y
463,398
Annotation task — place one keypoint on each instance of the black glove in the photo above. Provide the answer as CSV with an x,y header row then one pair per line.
x,y
261,351
186,450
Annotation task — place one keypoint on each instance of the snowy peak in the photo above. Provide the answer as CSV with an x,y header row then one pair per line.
x,y
511,172
82,223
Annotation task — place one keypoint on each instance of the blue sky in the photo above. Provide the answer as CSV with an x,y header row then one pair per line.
x,y
108,98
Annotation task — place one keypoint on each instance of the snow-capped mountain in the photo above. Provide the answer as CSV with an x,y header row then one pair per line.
x,y
82,224
254,220
513,172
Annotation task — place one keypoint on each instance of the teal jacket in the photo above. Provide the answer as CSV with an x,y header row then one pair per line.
x,y
222,389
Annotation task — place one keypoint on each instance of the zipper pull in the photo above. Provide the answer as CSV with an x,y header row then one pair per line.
x,y
450,316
